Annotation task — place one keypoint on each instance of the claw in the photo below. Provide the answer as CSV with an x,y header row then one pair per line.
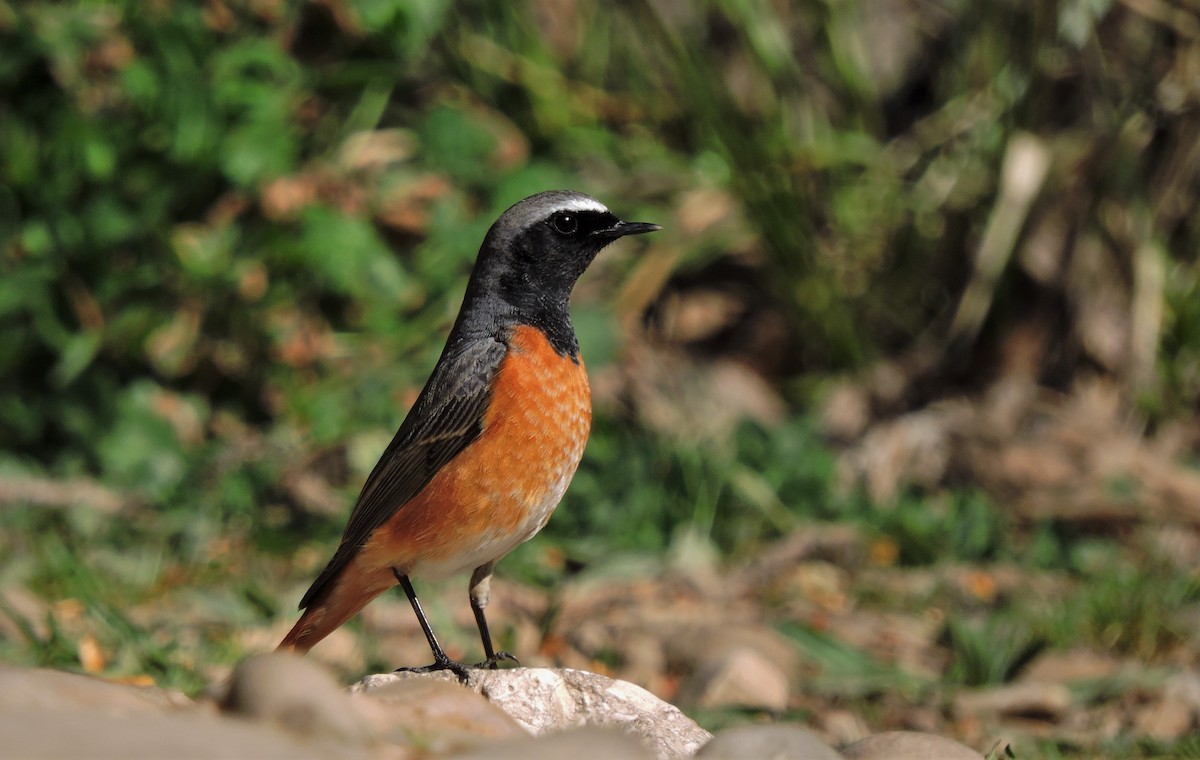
x,y
460,670
493,662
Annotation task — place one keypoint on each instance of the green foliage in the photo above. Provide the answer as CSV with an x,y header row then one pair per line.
x,y
1179,360
1134,609
765,483
989,652
142,451
961,525
232,236
847,672
100,575
146,237
1187,748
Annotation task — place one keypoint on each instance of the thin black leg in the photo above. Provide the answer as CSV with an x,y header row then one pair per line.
x,y
440,660
481,593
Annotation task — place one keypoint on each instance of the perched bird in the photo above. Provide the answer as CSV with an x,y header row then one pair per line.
x,y
492,442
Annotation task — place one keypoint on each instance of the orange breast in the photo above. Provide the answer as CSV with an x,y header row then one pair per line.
x,y
502,488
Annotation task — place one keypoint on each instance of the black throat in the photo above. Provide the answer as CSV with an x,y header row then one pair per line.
x,y
549,310
507,291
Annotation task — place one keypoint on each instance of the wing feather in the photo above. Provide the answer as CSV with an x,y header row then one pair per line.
x,y
446,418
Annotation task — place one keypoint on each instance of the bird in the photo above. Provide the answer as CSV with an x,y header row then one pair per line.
x,y
489,447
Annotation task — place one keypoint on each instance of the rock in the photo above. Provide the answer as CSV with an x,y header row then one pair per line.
x,y
34,688
1175,712
1072,665
23,615
98,734
767,742
577,744
846,412
48,713
696,645
908,745
584,698
436,715
844,726
1025,699
738,677
1185,688
544,700
294,693
1163,720
840,545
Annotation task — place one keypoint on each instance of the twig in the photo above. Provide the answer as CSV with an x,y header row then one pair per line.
x,y
25,490
1025,165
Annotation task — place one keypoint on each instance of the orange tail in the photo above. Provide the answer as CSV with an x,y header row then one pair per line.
x,y
347,595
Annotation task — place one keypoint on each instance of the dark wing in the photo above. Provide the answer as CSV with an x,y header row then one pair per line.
x,y
446,418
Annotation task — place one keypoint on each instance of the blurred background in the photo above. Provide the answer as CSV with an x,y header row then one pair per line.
x,y
899,408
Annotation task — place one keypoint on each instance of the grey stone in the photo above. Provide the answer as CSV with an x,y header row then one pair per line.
x,y
908,745
1173,713
435,715
767,742
545,700
1049,701
738,677
577,744
1055,666
96,734
294,693
31,688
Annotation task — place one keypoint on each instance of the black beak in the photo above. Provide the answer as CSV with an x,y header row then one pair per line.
x,y
621,229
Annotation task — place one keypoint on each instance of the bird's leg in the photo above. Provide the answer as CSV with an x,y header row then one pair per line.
x,y
481,593
440,660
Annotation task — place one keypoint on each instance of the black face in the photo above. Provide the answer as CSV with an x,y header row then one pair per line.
x,y
580,226
542,260
593,228
531,258
560,247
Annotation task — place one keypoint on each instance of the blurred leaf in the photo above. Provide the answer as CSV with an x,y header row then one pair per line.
x,y
172,346
76,355
350,255
458,143
142,452
986,653
99,157
109,221
846,671
258,150
204,251
1077,19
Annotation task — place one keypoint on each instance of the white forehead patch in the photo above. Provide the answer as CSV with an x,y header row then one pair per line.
x,y
582,203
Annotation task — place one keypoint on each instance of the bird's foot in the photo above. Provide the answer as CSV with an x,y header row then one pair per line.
x,y
493,662
459,669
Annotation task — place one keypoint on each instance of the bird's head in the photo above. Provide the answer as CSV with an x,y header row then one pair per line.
x,y
549,239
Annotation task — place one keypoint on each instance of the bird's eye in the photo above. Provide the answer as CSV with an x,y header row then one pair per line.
x,y
565,223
